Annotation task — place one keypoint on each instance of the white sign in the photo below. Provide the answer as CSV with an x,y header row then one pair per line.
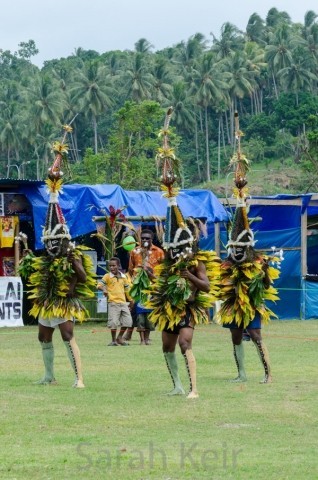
x,y
101,302
11,296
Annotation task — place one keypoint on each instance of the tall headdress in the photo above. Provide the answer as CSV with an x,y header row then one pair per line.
x,y
55,229
246,276
241,239
177,233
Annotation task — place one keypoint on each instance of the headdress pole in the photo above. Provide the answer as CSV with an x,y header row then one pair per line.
x,y
241,236
55,228
177,233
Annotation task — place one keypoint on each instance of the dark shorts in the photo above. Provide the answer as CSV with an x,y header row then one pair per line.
x,y
134,316
143,322
186,322
255,323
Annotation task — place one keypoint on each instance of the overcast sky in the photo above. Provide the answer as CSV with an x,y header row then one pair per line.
x,y
59,27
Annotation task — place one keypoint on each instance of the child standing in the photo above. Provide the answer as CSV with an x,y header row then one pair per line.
x,y
115,286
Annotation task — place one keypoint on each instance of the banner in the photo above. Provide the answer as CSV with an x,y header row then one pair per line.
x,y
101,302
11,296
7,230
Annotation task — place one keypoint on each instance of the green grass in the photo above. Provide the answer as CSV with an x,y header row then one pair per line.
x,y
122,427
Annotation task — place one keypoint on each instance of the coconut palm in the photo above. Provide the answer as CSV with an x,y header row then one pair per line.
x,y
162,80
255,62
279,51
256,30
92,93
11,131
210,89
231,40
46,101
296,78
274,18
186,54
137,78
143,46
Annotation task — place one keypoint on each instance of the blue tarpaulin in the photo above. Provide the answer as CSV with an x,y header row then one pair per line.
x,y
80,203
280,227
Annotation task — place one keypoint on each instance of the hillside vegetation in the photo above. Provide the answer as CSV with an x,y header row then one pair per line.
x,y
116,102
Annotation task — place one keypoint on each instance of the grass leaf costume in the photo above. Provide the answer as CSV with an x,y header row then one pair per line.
x,y
169,293
48,276
246,276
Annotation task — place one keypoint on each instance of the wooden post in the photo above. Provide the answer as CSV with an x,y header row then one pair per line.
x,y
303,233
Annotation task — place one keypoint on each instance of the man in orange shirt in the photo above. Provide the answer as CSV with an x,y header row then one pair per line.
x,y
147,256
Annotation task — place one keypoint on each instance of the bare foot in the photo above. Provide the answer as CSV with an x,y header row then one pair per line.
x,y
193,395
79,384
267,379
122,342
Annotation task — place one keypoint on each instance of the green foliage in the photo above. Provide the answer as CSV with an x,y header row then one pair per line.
x,y
255,149
268,74
133,144
141,282
92,169
27,49
308,147
292,116
261,126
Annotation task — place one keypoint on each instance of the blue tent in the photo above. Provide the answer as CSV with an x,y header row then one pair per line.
x,y
81,202
285,224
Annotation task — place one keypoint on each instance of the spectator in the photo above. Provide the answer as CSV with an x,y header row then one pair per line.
x,y
116,285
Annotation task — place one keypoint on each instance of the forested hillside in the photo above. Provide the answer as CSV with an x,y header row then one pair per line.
x,y
116,102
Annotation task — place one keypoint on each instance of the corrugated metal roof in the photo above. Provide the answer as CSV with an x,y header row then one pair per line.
x,y
9,182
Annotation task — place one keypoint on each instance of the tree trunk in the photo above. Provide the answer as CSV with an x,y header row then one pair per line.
x,y
219,148
197,151
95,134
208,177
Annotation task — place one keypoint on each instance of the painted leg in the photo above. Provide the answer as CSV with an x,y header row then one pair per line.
x,y
172,365
192,372
48,360
75,359
263,355
238,351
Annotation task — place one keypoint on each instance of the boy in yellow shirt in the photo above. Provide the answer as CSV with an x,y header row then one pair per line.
x,y
115,285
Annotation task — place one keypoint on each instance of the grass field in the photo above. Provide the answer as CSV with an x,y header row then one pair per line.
x,y
121,426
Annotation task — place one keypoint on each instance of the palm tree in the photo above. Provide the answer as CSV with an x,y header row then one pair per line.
x,y
242,82
92,92
310,34
137,79
46,101
279,51
210,89
10,132
187,53
184,115
162,80
143,46
114,64
255,29
274,18
230,41
255,63
42,145
296,78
